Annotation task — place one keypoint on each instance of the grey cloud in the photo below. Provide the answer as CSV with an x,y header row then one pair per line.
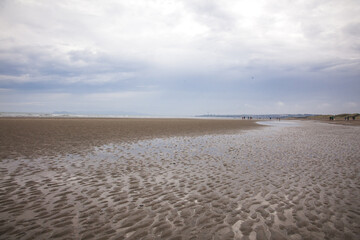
x,y
352,29
211,14
213,54
312,30
47,62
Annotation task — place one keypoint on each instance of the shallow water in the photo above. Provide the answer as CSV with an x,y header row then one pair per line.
x,y
291,180
282,123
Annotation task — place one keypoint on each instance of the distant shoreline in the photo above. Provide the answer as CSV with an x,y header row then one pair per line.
x,y
340,122
206,116
336,119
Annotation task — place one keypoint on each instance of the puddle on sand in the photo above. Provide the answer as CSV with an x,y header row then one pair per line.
x,y
281,123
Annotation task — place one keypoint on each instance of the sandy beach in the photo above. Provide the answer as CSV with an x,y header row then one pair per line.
x,y
344,122
178,179
336,121
32,137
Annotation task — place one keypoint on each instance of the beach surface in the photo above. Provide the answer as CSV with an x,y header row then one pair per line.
x,y
31,137
344,122
220,180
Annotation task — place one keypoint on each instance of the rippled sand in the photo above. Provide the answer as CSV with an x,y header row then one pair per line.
x,y
286,181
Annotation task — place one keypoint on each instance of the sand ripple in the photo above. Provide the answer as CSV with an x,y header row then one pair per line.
x,y
293,182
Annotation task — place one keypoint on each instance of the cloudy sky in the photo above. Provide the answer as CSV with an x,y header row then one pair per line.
x,y
173,57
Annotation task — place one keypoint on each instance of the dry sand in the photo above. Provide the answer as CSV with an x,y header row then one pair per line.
x,y
290,181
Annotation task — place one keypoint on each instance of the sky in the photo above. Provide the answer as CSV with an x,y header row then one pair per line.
x,y
172,57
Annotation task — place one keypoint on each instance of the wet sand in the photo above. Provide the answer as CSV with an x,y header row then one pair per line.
x,y
340,122
289,180
31,137
344,122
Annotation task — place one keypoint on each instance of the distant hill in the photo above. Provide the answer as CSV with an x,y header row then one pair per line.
x,y
258,116
336,117
62,112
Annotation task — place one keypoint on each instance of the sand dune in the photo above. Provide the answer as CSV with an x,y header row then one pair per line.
x,y
297,181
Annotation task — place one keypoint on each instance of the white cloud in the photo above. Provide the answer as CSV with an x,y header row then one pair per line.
x,y
162,32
